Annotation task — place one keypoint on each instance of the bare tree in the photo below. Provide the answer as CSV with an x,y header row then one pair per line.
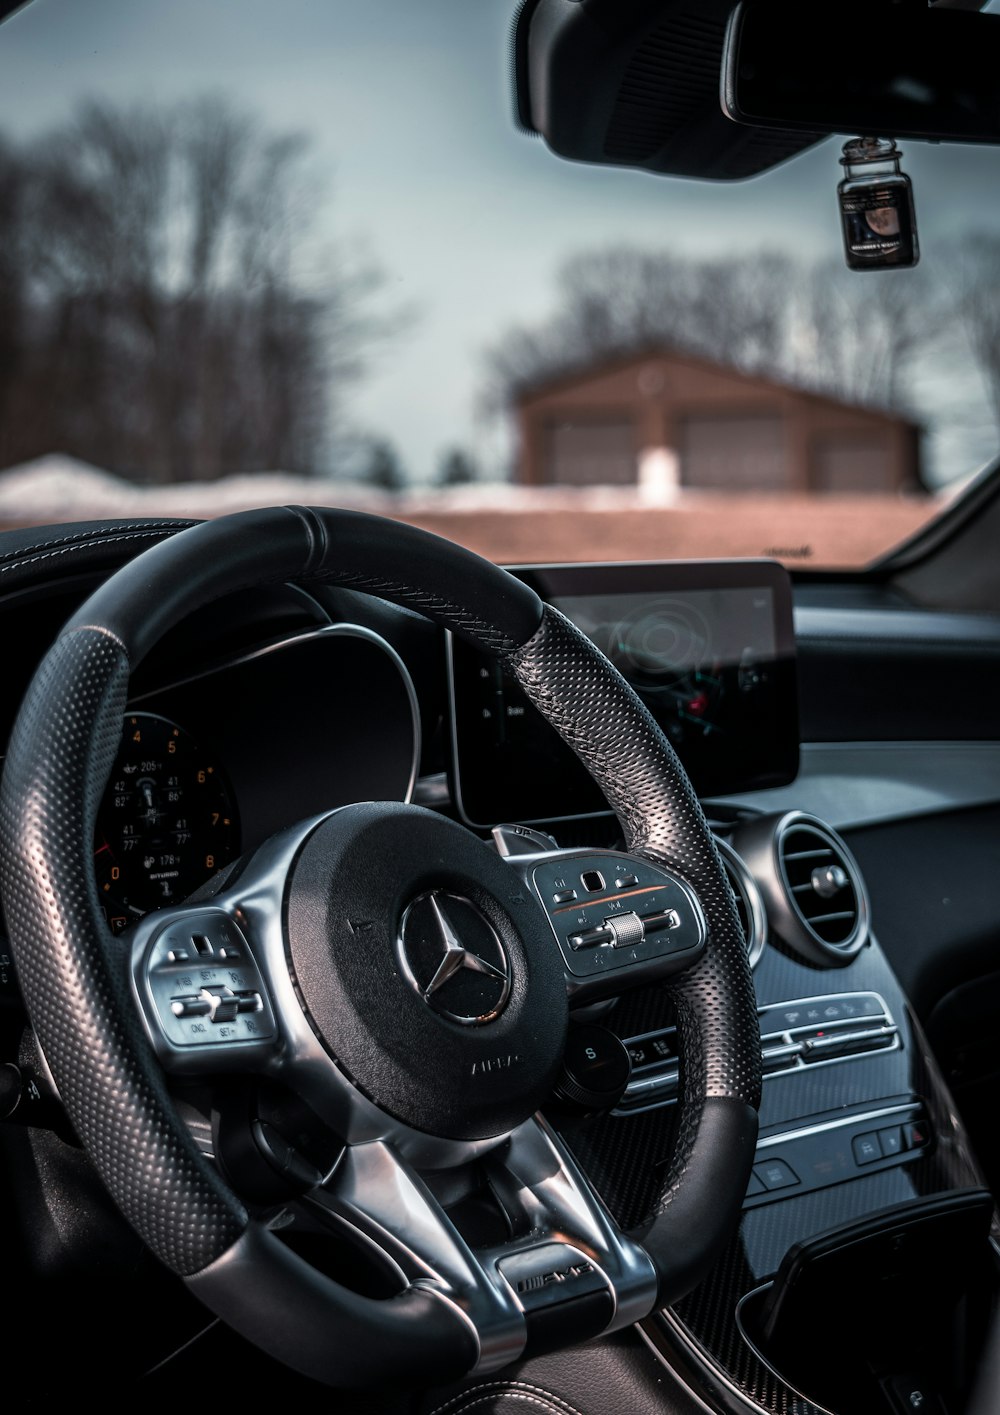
x,y
977,282
620,299
173,332
857,336
819,326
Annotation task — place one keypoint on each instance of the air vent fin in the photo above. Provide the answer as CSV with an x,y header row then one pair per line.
x,y
823,890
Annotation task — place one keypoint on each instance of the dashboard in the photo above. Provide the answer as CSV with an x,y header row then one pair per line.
x,y
287,703
709,648
213,763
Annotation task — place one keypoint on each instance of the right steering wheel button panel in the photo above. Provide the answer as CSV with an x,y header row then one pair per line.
x,y
639,913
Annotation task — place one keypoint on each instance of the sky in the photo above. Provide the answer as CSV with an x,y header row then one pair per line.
x,y
407,104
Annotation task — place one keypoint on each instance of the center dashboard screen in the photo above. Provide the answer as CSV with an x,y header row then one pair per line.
x,y
708,646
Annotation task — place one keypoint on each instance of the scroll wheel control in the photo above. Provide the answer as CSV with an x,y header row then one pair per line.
x,y
595,1071
624,930
628,929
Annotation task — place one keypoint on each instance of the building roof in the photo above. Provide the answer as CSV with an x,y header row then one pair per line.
x,y
573,373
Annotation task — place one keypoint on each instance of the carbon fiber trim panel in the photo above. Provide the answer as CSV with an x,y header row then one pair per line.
x,y
77,994
709,1313
624,1155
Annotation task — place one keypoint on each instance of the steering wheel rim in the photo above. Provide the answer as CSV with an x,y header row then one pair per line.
x,y
76,984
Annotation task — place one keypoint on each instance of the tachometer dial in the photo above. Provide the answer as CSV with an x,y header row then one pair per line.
x,y
166,824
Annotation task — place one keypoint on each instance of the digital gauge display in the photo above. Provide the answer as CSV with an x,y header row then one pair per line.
x,y
707,645
166,824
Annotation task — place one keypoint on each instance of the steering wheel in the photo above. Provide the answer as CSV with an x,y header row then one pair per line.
x,y
392,973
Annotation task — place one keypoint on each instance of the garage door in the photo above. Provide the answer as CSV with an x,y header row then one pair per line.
x,y
592,452
849,464
734,452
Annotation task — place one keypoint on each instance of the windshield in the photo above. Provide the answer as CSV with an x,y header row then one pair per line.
x,y
254,254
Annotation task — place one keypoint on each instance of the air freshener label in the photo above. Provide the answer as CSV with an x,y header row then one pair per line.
x,y
878,226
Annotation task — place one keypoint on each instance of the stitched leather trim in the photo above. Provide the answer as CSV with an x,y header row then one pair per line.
x,y
53,554
513,1390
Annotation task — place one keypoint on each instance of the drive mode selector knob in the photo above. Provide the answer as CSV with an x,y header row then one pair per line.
x,y
595,1071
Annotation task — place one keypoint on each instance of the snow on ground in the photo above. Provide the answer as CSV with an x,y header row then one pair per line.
x,y
504,522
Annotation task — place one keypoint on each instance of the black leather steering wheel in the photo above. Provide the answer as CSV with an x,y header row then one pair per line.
x,y
306,974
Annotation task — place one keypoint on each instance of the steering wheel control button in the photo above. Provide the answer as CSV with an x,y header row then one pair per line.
x,y
591,938
190,1007
669,919
564,896
200,988
596,1070
628,930
453,957
646,918
776,1174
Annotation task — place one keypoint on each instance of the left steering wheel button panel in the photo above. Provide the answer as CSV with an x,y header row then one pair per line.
x,y
199,987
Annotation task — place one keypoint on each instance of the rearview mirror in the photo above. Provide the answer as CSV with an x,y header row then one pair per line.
x,y
864,66
635,83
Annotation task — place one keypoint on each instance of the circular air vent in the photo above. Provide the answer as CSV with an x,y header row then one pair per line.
x,y
749,903
815,896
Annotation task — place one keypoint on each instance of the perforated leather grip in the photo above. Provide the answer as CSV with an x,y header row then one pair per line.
x,y
615,736
72,971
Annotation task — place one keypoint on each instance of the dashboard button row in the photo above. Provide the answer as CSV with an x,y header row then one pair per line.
x,y
818,1156
820,1012
782,1052
891,1140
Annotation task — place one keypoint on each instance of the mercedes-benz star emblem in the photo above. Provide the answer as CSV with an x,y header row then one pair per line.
x,y
453,957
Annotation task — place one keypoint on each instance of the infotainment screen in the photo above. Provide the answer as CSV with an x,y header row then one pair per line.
x,y
709,648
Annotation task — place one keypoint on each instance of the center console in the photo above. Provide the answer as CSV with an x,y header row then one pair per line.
x,y
861,1132
863,1273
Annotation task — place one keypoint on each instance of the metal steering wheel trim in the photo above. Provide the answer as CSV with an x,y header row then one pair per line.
x,y
75,975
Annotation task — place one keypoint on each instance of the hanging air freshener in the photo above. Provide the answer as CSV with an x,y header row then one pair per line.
x,y
876,207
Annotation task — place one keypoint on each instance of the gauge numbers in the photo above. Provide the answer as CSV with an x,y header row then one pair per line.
x,y
166,823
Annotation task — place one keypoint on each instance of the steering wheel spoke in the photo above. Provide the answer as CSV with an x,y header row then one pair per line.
x,y
210,977
565,1273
